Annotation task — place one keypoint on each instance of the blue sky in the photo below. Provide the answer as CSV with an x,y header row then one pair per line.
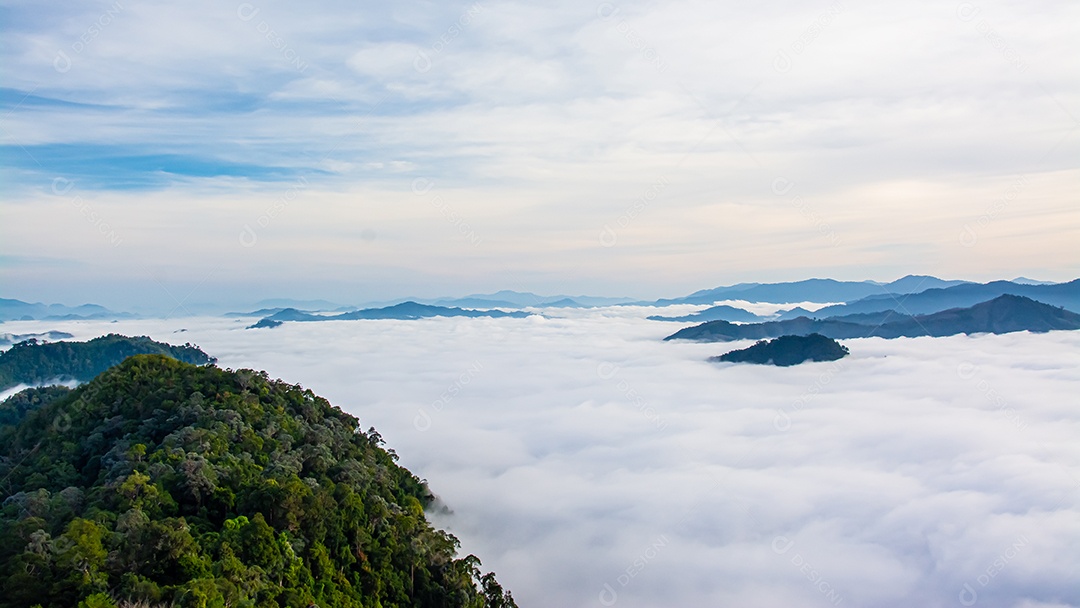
x,y
359,151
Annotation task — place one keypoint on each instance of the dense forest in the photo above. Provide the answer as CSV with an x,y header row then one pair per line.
x,y
15,407
787,350
33,362
161,483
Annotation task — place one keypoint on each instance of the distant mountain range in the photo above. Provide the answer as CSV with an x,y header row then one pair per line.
x,y
1003,314
52,336
500,299
519,299
262,312
403,311
931,300
17,310
722,312
1066,295
913,294
810,290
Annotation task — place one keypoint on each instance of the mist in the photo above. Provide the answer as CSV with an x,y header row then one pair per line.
x,y
589,463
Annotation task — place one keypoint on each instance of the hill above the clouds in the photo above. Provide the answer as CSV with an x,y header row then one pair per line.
x,y
161,483
34,362
787,350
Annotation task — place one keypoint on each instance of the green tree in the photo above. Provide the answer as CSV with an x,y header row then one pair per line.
x,y
173,484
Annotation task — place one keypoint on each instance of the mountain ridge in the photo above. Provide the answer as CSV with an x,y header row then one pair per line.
x,y
18,310
721,312
1066,295
809,290
403,311
160,483
1004,314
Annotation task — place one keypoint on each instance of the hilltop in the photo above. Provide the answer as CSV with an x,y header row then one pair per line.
x,y
787,350
161,483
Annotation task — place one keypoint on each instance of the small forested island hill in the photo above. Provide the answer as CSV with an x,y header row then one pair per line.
x,y
786,351
165,483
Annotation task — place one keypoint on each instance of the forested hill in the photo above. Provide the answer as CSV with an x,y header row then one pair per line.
x,y
161,483
787,350
31,362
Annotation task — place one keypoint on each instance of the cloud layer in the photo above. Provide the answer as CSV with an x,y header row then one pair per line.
x,y
591,464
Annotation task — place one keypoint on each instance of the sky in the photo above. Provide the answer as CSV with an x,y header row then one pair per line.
x,y
591,464
160,153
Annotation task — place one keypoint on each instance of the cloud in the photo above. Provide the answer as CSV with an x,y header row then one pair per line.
x,y
888,121
588,462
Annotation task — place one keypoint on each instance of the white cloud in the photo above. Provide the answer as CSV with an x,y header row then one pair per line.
x,y
898,126
582,452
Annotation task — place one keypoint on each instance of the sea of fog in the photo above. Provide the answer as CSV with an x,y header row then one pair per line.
x,y
589,463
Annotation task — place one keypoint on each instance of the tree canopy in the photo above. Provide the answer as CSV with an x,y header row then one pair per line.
x,y
788,350
33,362
161,483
